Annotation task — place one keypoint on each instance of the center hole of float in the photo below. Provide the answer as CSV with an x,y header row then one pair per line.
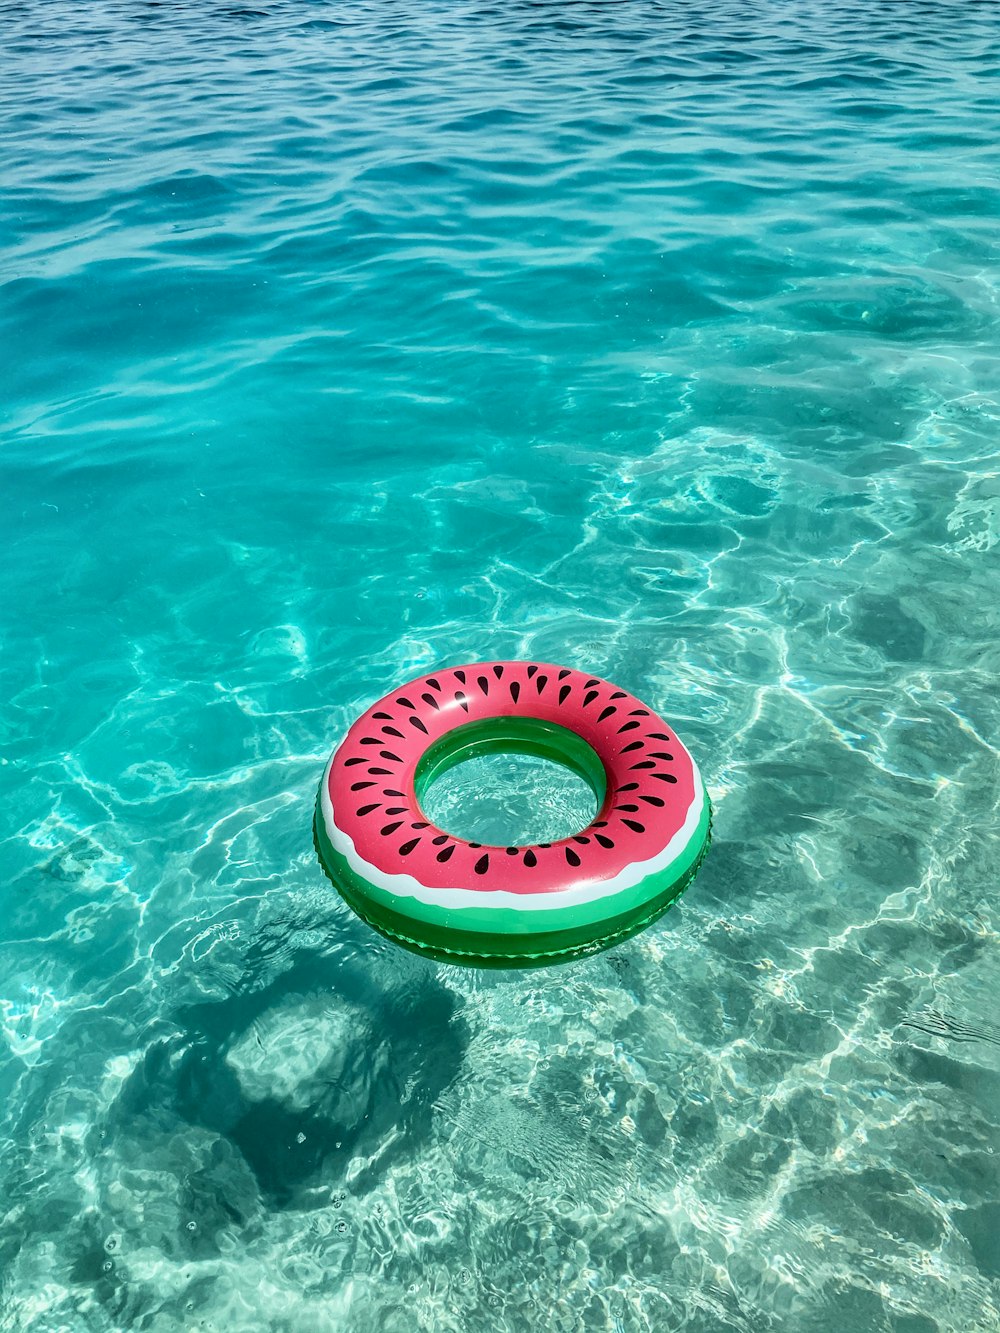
x,y
511,782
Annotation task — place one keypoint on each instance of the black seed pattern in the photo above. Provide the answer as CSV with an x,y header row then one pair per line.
x,y
395,809
390,828
531,671
579,837
434,684
627,726
387,791
605,842
634,826
541,683
619,694
632,745
564,673
360,786
515,690
445,852
589,683
658,736
629,809
408,847
513,851
420,824
482,865
664,777
349,762
589,697
572,857
639,712
392,758
367,809
628,786
645,763
391,731
406,703
606,712
370,740
461,699
498,671
659,754
381,772
563,693
460,677
441,837
652,800
530,859
383,717
429,699
415,722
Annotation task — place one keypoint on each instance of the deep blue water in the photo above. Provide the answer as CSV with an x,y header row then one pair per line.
x,y
344,340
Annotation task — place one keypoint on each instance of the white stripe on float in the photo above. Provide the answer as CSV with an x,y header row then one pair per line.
x,y
588,891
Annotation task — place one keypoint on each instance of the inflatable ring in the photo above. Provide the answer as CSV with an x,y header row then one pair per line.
x,y
511,906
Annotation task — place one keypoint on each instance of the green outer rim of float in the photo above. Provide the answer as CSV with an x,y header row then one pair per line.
x,y
498,937
512,735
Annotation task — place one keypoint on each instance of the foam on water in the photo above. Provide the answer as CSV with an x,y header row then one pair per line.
x,y
345,342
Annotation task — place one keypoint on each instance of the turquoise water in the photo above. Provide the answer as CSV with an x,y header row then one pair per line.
x,y
341,341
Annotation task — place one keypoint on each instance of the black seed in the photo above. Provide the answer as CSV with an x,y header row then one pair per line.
x,y
445,852
415,721
541,683
636,828
460,698
391,731
531,671
515,690
513,851
482,865
589,697
381,772
349,762
387,791
390,828
371,740
408,847
629,809
434,684
360,786
441,837
383,717
388,754
460,677
632,745
484,684
498,671
639,712
664,777
395,810
589,683
429,699
599,823
367,809
628,786
475,844
578,837
658,736
619,694
563,692
606,712
406,703
605,842
572,857
658,754
627,726
646,763
420,824
652,800
564,673
545,844
530,859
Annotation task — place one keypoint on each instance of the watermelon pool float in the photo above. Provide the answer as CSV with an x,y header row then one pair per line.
x,y
466,902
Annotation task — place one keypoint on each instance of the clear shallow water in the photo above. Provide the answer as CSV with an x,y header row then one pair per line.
x,y
341,341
